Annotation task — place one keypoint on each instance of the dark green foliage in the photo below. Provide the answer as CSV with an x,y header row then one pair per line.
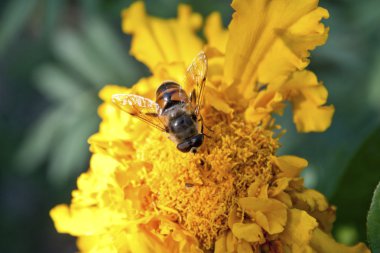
x,y
373,222
353,197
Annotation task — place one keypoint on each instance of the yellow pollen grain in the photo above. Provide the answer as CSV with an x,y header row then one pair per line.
x,y
198,191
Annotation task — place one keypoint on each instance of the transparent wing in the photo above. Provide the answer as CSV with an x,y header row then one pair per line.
x,y
196,79
140,107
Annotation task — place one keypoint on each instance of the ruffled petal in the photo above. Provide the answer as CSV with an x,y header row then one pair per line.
x,y
308,96
270,214
162,41
278,186
325,218
291,166
84,221
323,243
309,200
265,46
260,108
298,231
250,232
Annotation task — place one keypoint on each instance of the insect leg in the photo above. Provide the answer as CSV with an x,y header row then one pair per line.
x,y
203,125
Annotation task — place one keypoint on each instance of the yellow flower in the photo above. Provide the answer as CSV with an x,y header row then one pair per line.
x,y
235,195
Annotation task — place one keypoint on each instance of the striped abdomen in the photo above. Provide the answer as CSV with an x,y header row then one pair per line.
x,y
169,94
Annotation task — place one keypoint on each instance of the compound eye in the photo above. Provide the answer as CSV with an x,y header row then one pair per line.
x,y
184,146
197,140
191,144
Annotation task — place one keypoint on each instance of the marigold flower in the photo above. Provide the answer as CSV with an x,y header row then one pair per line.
x,y
235,195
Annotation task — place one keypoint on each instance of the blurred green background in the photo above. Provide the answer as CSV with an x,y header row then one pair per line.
x,y
55,55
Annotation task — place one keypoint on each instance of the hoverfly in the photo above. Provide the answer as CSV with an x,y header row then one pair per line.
x,y
174,112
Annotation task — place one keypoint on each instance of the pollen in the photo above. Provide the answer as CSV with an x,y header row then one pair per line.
x,y
199,190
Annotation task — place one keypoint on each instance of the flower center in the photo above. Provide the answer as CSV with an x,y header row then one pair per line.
x,y
198,191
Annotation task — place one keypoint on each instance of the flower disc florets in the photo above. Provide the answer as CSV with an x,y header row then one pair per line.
x,y
200,190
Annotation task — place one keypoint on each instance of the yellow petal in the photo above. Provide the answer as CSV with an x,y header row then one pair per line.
x,y
299,228
215,95
291,166
309,200
95,243
250,232
325,218
158,41
215,33
263,44
284,198
254,188
214,99
221,244
233,217
278,186
308,97
84,221
260,108
244,247
231,242
323,243
310,118
270,214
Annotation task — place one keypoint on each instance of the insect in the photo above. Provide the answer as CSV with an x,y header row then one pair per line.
x,y
174,112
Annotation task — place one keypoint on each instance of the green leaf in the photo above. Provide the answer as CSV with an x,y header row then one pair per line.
x,y
53,10
108,46
56,84
90,7
353,197
73,117
373,85
373,222
365,15
13,18
70,154
36,146
75,51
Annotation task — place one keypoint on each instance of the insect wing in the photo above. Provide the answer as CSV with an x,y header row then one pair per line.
x,y
140,107
196,79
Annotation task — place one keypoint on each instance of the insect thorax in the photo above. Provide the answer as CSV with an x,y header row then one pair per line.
x,y
182,124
